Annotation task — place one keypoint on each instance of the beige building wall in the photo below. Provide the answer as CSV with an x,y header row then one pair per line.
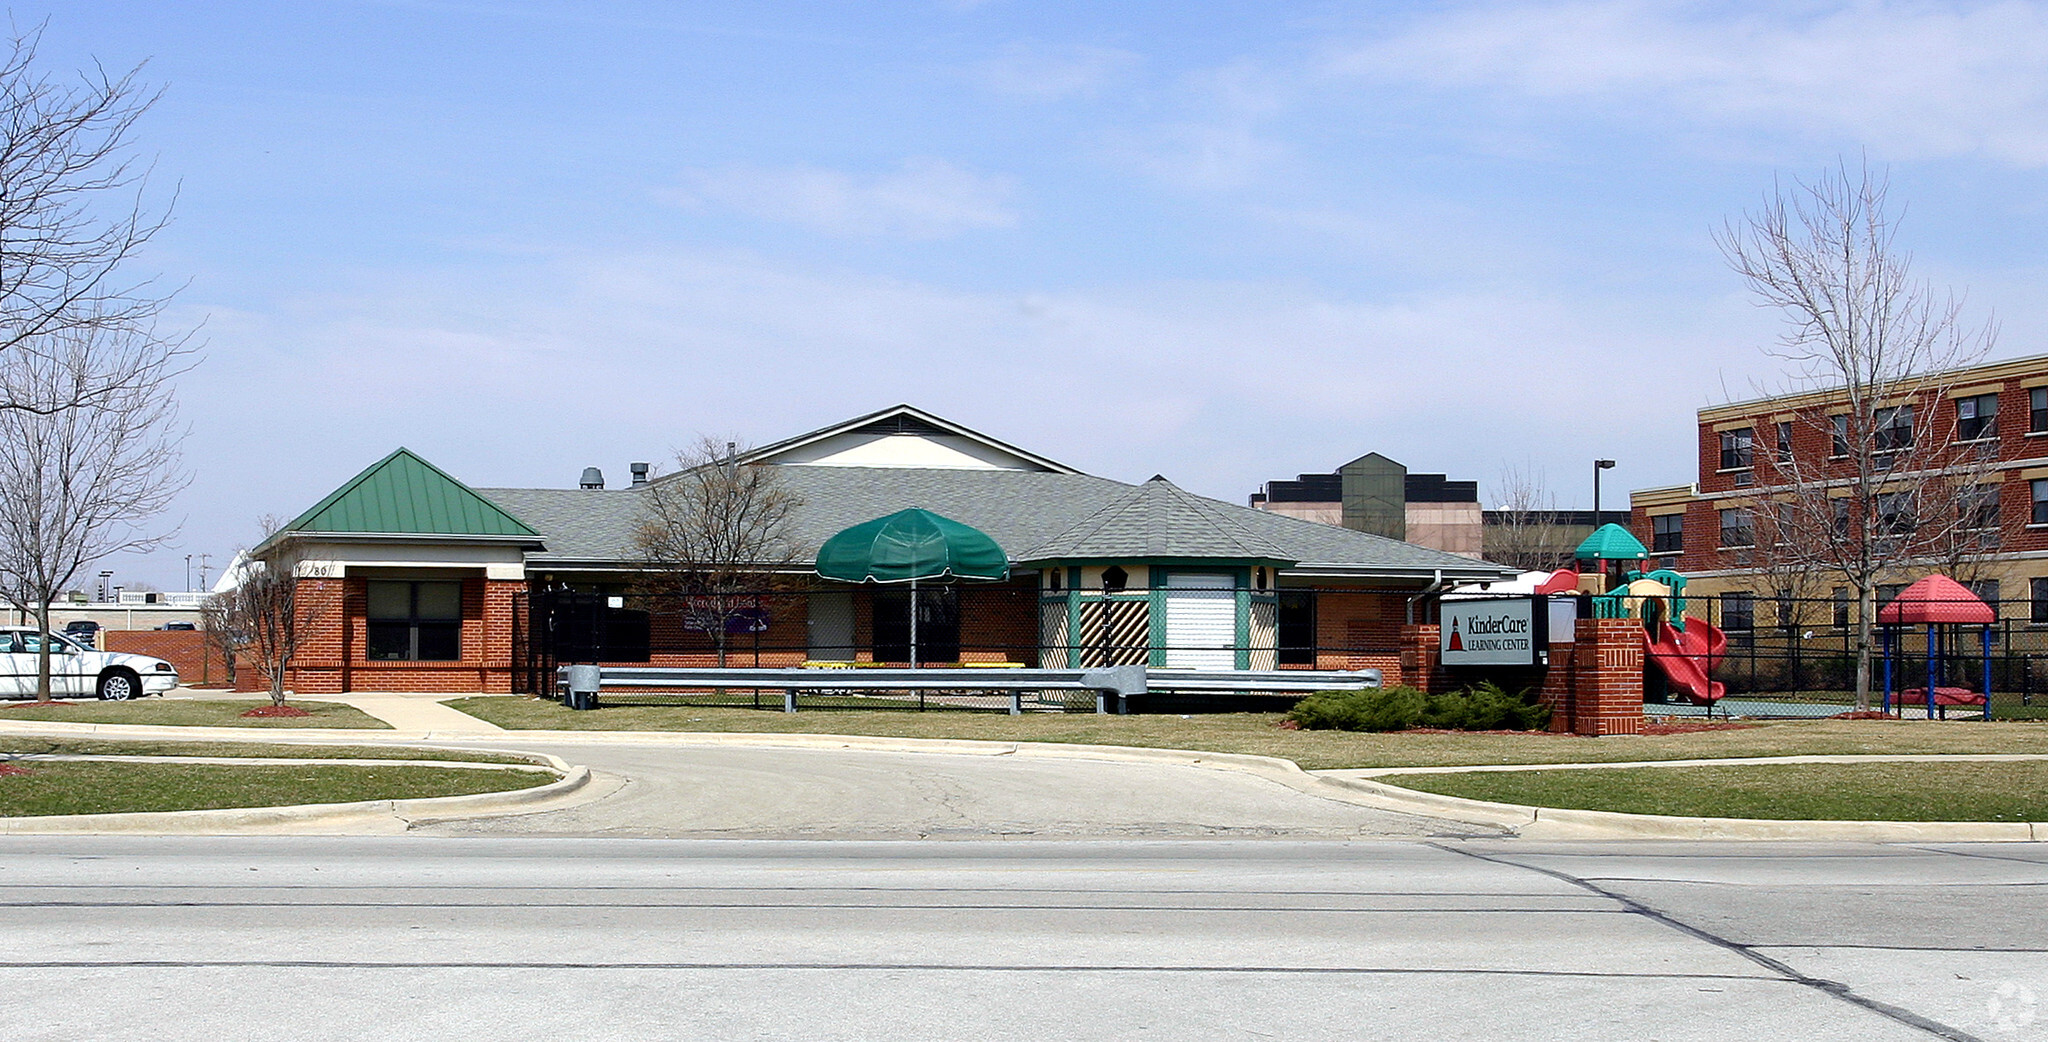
x,y
1320,513
1456,528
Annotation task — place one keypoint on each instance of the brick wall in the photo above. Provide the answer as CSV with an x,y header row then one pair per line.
x,y
187,650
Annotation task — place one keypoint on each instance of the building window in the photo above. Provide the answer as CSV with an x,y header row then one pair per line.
x,y
1978,507
2037,410
1738,611
1297,628
1737,528
2040,514
1784,441
2040,592
1841,515
1895,512
415,621
1667,534
1888,592
1841,607
1114,578
1977,417
1838,435
1894,428
1737,448
1986,591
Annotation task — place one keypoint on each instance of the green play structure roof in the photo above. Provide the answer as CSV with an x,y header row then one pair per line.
x,y
1611,543
403,494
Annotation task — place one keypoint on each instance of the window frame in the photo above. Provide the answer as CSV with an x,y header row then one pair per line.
x,y
1738,448
1985,423
2037,410
1744,526
378,629
1667,533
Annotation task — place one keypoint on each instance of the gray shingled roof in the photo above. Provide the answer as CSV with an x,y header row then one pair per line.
x,y
1024,511
1153,520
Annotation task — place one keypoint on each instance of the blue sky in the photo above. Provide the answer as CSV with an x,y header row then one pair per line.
x,y
1226,243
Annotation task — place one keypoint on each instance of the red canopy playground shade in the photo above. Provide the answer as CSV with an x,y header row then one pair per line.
x,y
1937,599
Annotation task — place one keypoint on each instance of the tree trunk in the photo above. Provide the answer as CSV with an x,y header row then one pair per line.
x,y
277,685
1866,603
43,655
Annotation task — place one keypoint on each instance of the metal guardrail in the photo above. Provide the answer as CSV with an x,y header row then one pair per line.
x,y
583,683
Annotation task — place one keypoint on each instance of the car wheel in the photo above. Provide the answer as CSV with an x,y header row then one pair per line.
x,y
120,686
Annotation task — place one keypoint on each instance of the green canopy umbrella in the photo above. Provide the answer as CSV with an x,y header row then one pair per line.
x,y
907,546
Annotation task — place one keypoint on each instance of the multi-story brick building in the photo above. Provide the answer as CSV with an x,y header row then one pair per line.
x,y
1964,454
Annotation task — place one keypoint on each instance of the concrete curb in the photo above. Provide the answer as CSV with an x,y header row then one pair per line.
x,y
367,817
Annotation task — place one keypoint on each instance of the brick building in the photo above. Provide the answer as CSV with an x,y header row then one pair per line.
x,y
418,582
1979,438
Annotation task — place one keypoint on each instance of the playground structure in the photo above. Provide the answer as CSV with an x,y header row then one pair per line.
x,y
1943,606
1682,650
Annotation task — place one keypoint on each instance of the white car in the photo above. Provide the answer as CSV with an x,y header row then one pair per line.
x,y
77,671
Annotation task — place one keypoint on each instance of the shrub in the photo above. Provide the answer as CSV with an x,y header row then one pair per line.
x,y
1482,707
1374,709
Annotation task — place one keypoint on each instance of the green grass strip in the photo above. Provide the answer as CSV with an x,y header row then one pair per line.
x,y
1790,792
1259,734
206,712
106,788
99,745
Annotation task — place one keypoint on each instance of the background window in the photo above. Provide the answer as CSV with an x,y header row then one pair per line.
x,y
1737,448
1784,441
415,621
1894,428
2037,410
2040,592
1667,534
1895,512
2040,514
1979,506
1737,528
1838,442
1841,619
1977,417
1738,611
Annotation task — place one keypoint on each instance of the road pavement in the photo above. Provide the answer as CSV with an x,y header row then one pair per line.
x,y
280,938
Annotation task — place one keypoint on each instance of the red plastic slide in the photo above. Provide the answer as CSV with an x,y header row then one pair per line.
x,y
1686,656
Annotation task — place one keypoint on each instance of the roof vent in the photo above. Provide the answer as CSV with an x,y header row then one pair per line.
x,y
593,478
639,473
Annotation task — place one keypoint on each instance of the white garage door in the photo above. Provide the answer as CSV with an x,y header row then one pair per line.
x,y
1201,622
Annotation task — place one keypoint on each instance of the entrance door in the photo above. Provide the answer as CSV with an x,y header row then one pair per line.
x,y
1201,621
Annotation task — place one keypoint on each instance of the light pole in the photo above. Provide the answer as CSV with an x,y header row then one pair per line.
x,y
1598,466
188,573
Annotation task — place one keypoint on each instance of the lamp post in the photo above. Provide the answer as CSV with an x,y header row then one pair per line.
x,y
188,573
1598,466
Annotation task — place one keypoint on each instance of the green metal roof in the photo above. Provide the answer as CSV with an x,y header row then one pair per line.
x,y
1611,543
403,494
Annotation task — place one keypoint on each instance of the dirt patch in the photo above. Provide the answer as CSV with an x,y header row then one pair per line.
x,y
32,705
8,768
1866,714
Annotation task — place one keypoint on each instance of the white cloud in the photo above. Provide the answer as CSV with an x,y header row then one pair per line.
x,y
922,199
1912,79
1041,73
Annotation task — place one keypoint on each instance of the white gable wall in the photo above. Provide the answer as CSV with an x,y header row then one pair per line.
x,y
921,451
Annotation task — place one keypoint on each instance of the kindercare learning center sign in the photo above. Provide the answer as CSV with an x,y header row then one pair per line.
x,y
1503,631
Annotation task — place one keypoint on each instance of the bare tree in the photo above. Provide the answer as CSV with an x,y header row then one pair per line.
x,y
1878,346
72,217
263,611
1527,530
714,533
87,481
220,622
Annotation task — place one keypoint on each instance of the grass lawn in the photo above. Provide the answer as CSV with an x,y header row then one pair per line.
x,y
96,745
104,787
1256,733
1818,792
193,713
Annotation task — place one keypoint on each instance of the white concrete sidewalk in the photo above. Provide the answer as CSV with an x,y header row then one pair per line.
x,y
413,712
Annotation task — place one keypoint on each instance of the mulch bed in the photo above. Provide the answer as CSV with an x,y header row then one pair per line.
x,y
1689,728
277,711
8,768
1865,714
31,705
